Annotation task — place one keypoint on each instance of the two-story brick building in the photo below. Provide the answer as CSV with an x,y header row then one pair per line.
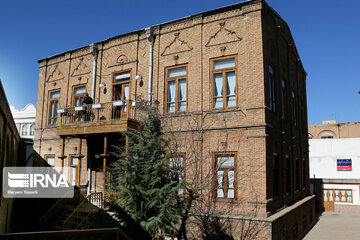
x,y
231,90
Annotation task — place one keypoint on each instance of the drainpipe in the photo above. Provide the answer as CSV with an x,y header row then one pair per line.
x,y
150,37
94,52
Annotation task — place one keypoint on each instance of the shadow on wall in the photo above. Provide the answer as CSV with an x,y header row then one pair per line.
x,y
27,211
318,191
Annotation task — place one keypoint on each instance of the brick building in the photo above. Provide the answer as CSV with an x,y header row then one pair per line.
x,y
9,150
251,134
332,129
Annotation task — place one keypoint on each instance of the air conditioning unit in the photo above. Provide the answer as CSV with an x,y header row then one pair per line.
x,y
98,106
80,108
137,104
62,110
118,103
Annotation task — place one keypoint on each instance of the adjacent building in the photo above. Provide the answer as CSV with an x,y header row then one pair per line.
x,y
332,129
25,120
335,165
231,90
9,149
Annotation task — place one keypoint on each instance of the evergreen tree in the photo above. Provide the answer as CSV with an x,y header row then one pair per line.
x,y
144,187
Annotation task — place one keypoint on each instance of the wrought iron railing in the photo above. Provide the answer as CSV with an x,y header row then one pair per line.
x,y
99,112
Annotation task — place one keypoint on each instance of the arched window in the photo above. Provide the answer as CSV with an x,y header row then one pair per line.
x,y
327,134
32,129
24,130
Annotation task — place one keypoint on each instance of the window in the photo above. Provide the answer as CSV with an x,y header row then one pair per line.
x,y
297,174
225,184
224,82
276,178
294,107
340,195
304,172
283,99
288,174
327,137
284,235
272,104
176,89
304,222
78,95
53,106
24,130
50,159
177,164
295,231
32,129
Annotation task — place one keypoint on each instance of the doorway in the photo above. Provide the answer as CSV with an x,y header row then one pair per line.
x,y
328,197
121,91
74,165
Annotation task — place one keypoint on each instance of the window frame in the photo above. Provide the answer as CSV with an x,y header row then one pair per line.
x,y
223,71
74,96
283,100
50,100
340,195
114,83
26,128
47,156
225,179
294,110
272,88
287,175
176,79
276,172
178,168
31,135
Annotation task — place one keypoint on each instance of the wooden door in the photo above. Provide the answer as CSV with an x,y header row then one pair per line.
x,y
328,197
121,92
75,180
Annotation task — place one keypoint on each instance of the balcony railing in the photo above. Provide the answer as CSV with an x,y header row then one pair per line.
x,y
100,112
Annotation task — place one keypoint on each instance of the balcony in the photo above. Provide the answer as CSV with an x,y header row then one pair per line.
x,y
100,118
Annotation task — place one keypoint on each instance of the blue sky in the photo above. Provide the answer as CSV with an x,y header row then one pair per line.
x,y
326,34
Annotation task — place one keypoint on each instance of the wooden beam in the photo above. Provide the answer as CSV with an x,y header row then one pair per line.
x,y
99,127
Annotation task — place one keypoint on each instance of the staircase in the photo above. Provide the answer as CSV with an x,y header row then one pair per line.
x,y
71,213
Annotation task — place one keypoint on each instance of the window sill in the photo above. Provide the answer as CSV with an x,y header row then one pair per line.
x,y
226,109
225,200
176,114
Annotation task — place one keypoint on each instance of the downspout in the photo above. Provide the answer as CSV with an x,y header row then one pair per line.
x,y
150,37
94,52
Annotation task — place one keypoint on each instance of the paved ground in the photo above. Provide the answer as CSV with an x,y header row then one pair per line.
x,y
336,226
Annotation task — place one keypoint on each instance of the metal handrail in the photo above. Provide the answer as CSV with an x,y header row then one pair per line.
x,y
109,111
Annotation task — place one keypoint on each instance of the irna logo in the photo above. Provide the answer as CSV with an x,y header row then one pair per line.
x,y
16,180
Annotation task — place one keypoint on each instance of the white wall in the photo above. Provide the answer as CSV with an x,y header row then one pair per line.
x,y
324,153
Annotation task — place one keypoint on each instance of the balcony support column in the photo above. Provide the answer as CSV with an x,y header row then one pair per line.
x,y
127,143
79,161
62,155
104,165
